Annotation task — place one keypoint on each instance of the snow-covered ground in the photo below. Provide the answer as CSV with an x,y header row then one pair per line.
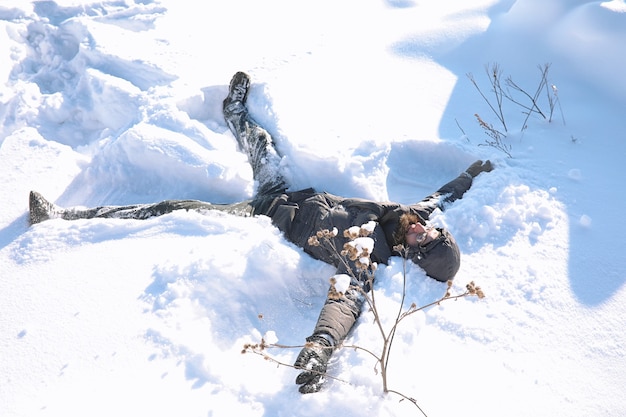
x,y
116,102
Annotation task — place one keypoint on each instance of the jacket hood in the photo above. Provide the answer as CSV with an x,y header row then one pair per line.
x,y
440,259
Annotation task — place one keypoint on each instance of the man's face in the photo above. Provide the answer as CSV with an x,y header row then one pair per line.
x,y
420,235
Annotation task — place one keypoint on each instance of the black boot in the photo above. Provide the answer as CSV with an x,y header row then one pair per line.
x,y
237,92
313,360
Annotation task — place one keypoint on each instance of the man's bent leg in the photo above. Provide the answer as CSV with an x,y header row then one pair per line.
x,y
255,141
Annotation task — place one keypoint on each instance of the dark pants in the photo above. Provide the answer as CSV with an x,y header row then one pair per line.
x,y
144,211
257,144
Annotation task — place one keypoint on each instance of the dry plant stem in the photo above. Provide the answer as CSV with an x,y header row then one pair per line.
x,y
399,316
553,99
367,272
494,75
533,107
517,95
260,350
495,135
411,400
558,102
383,358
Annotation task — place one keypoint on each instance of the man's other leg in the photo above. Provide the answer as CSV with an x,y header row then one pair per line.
x,y
41,209
255,141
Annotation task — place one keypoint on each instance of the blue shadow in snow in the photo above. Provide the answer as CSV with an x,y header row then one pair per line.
x,y
593,273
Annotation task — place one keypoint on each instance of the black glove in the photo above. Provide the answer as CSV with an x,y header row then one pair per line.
x,y
478,167
313,359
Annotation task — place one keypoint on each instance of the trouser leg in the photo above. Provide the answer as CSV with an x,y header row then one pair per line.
x,y
257,144
144,211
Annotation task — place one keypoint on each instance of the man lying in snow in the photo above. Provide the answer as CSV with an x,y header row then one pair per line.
x,y
300,215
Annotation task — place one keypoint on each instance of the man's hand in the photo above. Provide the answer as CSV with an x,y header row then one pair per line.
x,y
478,167
313,360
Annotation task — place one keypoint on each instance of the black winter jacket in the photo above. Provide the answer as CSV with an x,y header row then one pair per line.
x,y
301,214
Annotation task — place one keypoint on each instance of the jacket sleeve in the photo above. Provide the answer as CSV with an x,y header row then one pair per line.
x,y
338,315
441,198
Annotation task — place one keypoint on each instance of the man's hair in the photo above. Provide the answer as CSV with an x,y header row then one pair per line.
x,y
404,223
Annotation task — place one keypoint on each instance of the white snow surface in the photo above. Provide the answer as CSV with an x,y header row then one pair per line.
x,y
117,102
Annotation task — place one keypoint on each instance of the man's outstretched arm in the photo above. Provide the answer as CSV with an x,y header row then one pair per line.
x,y
334,323
453,190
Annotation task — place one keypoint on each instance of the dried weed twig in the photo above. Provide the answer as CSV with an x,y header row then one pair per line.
x,y
510,91
262,347
494,73
355,255
496,138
